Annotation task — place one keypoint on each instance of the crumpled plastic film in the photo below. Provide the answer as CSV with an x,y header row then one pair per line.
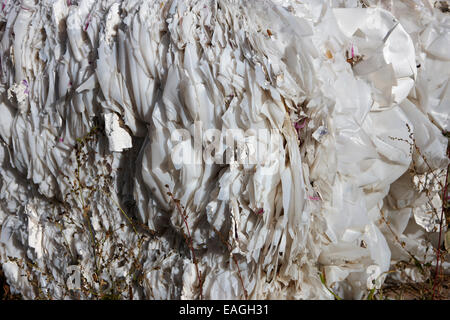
x,y
100,99
387,52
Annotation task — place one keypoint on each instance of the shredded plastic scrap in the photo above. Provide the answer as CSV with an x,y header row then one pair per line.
x,y
94,95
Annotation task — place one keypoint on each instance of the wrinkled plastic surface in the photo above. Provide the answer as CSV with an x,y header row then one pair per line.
x,y
341,85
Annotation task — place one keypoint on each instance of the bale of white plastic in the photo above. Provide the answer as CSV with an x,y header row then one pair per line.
x,y
118,178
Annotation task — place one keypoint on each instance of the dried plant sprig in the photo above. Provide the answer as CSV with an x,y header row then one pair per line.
x,y
188,238
444,200
228,246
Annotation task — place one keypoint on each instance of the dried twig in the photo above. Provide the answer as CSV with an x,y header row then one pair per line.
x,y
234,259
188,239
444,200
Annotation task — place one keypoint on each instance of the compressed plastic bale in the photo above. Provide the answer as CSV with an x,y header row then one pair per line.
x,y
98,136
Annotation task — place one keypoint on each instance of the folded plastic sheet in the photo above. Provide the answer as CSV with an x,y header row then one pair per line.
x,y
387,50
118,138
340,85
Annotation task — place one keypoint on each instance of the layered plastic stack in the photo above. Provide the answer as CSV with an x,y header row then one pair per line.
x,y
93,94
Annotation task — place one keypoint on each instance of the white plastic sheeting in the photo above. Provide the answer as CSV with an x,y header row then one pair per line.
x,y
118,138
340,85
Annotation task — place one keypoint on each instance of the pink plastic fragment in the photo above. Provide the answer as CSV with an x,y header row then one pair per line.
x,y
260,211
87,22
299,126
25,82
316,198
